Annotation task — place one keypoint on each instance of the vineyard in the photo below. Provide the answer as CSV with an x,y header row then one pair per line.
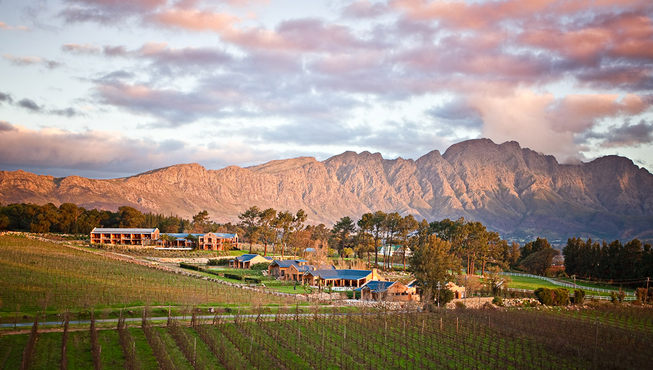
x,y
41,276
445,339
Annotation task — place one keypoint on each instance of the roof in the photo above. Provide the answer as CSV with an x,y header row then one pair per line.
x,y
116,230
249,257
340,274
181,235
225,235
287,263
377,285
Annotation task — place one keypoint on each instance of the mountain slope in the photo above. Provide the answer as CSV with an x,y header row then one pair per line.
x,y
513,190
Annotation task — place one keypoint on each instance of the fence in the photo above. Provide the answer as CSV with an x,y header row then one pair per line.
x,y
568,285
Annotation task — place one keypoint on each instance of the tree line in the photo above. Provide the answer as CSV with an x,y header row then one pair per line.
x,y
627,264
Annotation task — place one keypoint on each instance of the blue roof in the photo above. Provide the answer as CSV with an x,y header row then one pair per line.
x,y
341,274
377,286
246,257
287,263
225,235
181,235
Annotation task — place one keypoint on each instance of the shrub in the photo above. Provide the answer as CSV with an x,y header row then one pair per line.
x,y
621,296
260,266
251,279
641,294
579,296
460,305
497,301
233,276
545,296
613,297
445,296
189,266
218,262
561,297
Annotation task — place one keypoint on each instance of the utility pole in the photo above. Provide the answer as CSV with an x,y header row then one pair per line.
x,y
646,298
574,277
438,294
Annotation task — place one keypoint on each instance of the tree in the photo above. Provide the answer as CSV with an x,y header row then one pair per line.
x,y
432,263
200,221
407,225
539,262
365,225
130,217
378,222
391,223
342,229
248,220
265,225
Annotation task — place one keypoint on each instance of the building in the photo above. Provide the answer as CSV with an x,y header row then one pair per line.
x,y
458,291
340,278
392,291
280,268
217,241
124,236
181,240
246,261
393,250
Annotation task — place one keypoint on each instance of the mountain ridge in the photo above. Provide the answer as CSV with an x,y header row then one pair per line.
x,y
513,190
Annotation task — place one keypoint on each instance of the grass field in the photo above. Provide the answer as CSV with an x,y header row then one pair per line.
x,y
444,339
35,275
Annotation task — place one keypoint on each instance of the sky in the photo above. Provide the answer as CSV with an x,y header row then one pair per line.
x,y
110,88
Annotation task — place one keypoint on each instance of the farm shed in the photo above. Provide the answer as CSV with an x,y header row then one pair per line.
x,y
393,291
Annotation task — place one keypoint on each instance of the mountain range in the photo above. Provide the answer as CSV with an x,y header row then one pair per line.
x,y
513,190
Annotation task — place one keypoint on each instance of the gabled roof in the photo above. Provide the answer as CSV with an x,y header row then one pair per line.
x,y
377,285
287,263
181,235
246,257
116,230
249,257
340,274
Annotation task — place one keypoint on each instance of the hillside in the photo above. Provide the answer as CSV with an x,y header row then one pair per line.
x,y
513,190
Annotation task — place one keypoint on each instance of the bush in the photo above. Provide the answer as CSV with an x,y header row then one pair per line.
x,y
218,262
641,294
460,305
233,276
621,296
613,297
497,301
545,296
445,296
189,266
251,279
579,296
260,266
561,297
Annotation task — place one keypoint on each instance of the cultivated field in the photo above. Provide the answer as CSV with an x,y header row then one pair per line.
x,y
36,275
446,339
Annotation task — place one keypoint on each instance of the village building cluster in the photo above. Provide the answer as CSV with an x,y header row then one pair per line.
x,y
153,238
366,284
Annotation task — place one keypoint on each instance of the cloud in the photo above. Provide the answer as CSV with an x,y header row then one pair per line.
x,y
80,48
5,98
5,26
547,124
365,9
66,112
105,11
6,126
29,105
108,154
27,61
624,135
